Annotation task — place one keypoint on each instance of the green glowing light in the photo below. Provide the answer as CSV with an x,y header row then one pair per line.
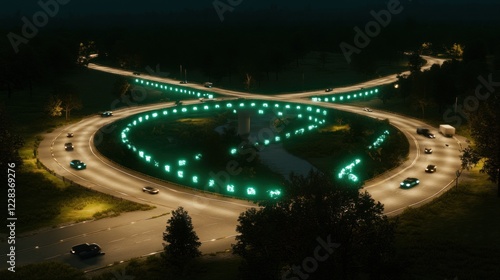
x,y
198,156
233,151
211,183
274,193
230,188
347,171
182,162
180,174
251,191
195,179
167,168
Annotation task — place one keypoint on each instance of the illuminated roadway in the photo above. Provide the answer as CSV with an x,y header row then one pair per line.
x,y
215,218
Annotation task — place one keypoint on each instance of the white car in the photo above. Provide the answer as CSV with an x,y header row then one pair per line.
x,y
366,109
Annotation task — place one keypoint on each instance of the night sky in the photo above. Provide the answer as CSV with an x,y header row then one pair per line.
x,y
440,10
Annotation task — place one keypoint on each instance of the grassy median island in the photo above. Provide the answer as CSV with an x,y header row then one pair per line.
x,y
347,137
174,139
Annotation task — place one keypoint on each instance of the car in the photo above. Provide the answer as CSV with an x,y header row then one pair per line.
x,y
86,250
68,146
431,168
208,84
178,103
136,73
366,109
69,135
106,114
426,132
428,150
409,182
77,164
150,190
183,82
328,89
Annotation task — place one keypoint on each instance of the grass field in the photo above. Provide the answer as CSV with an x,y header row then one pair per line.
x,y
456,235
42,199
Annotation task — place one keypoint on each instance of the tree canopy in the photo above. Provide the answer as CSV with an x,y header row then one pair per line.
x,y
318,229
182,241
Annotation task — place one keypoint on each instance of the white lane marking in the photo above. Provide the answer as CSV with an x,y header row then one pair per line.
x,y
116,240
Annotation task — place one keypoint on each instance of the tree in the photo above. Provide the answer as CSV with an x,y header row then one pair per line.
x,y
248,82
485,130
68,95
70,102
182,241
346,225
456,51
415,62
469,158
53,107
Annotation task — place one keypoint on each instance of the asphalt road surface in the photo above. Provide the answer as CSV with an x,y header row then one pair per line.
x,y
215,218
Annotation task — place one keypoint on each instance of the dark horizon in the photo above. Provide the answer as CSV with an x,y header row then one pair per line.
x,y
114,13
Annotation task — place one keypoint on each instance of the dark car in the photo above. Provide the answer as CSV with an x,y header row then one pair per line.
x,y
409,182
150,190
77,164
68,146
70,134
426,132
328,89
107,114
183,82
86,250
136,73
431,168
208,84
428,150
